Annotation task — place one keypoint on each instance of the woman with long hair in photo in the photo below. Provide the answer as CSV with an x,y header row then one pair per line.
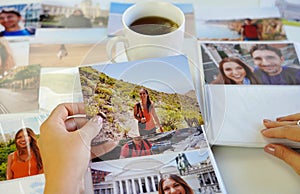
x,y
174,184
235,71
144,112
26,160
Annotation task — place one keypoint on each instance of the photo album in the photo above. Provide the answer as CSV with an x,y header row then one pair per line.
x,y
152,127
245,83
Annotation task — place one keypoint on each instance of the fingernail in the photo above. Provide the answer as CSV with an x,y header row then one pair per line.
x,y
263,131
97,119
270,149
266,120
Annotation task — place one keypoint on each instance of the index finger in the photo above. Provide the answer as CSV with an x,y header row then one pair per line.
x,y
272,124
292,117
57,120
291,132
65,110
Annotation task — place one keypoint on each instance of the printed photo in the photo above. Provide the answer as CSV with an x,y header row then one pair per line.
x,y
193,171
159,143
19,19
58,52
20,89
139,99
251,63
18,136
19,82
73,14
246,29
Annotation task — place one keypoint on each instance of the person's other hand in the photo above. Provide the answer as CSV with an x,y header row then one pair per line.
x,y
65,147
286,128
143,120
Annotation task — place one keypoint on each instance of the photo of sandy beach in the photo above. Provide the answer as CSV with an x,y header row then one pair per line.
x,y
66,55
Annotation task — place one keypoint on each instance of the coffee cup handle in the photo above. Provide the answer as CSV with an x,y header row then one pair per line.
x,y
111,44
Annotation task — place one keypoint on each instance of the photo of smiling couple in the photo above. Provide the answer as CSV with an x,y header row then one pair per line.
x,y
269,64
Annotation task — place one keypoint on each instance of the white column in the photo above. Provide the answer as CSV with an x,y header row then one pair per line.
x,y
133,186
158,178
115,187
121,187
140,185
147,184
202,177
153,183
211,179
52,10
127,186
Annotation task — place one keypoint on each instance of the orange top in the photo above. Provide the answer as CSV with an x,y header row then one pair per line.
x,y
23,169
149,120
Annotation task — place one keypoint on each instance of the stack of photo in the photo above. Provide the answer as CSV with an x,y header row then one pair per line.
x,y
211,84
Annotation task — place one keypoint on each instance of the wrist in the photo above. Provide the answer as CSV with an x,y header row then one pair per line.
x,y
55,185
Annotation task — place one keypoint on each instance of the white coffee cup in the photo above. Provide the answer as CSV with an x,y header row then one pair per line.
x,y
140,46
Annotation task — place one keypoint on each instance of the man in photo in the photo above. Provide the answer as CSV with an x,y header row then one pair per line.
x,y
250,31
10,19
137,147
269,68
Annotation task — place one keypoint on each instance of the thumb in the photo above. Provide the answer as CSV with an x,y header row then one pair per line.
x,y
286,154
91,129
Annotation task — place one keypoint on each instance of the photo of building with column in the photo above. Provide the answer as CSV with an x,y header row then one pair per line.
x,y
53,13
142,175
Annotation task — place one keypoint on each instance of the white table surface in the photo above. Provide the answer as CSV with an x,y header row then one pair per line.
x,y
251,170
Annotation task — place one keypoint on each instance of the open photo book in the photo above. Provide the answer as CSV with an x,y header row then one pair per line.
x,y
152,127
244,83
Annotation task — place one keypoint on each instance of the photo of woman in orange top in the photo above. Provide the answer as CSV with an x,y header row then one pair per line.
x,y
26,160
144,112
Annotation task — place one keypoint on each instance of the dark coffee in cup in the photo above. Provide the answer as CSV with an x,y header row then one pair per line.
x,y
153,25
164,39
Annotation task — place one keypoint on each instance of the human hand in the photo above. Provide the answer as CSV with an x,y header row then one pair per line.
x,y
283,121
143,120
284,127
65,148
